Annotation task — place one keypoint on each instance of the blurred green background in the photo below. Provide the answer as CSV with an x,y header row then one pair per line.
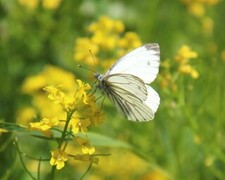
x,y
186,140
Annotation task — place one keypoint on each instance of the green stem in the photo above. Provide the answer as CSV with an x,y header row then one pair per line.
x,y
69,115
85,173
22,162
62,139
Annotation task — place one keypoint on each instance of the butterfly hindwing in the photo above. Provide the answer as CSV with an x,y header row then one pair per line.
x,y
128,93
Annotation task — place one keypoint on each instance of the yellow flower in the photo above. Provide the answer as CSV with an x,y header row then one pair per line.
x,y
197,139
130,41
223,55
45,124
105,40
86,157
97,116
33,84
82,47
81,93
58,158
197,9
56,95
50,75
188,69
166,81
207,25
79,125
194,74
25,115
31,4
183,57
105,24
184,54
155,175
51,4
118,27
85,145
212,2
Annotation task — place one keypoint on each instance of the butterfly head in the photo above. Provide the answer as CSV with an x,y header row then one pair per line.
x,y
98,76
101,82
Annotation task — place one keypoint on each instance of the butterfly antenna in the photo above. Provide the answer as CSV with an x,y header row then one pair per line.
x,y
86,68
94,61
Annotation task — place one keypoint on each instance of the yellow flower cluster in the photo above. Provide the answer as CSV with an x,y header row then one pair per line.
x,y
181,65
34,85
107,39
183,57
197,7
47,4
81,113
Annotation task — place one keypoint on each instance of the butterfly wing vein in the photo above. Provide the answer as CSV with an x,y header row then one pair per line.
x,y
128,93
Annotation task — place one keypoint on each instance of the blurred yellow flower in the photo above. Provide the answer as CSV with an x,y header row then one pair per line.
x,y
197,139
183,57
212,2
25,115
85,145
97,116
106,41
51,75
194,74
166,81
197,7
207,25
130,41
58,158
31,4
118,26
82,47
34,83
223,55
51,4
155,175
86,157
184,54
54,76
209,161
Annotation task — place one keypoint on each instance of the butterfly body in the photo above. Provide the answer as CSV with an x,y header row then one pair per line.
x,y
126,83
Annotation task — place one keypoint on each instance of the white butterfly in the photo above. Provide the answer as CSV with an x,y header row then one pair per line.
x,y
126,83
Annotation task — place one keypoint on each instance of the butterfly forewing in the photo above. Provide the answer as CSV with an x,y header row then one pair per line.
x,y
127,85
142,62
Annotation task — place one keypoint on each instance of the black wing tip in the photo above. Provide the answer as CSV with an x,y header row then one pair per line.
x,y
152,46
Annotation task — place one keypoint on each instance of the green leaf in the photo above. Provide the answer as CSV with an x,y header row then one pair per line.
x,y
12,127
101,140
